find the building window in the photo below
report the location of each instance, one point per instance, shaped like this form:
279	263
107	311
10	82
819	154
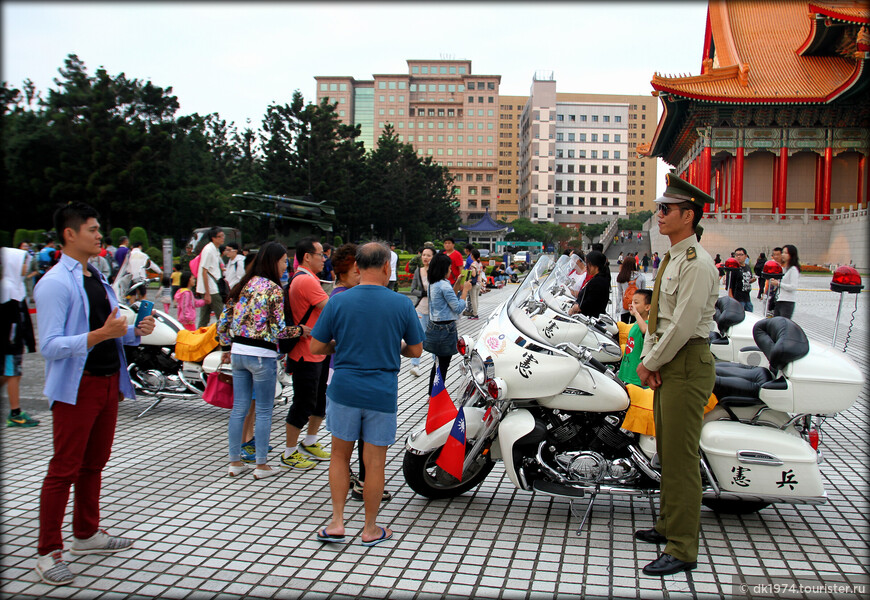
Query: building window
606	119
616	169
424	70
382	85
605	154
582	118
560	117
616	154
324	87
582	137
471	99
594	118
594	137
595	154
615	186
605	138
574	118
618	119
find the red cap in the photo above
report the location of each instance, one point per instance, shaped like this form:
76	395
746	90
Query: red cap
772	267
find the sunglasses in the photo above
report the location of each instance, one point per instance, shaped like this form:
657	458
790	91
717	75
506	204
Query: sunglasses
666	208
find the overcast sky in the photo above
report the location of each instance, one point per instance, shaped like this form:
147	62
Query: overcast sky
236	58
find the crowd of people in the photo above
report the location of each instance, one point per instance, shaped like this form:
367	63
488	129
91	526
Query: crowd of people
343	352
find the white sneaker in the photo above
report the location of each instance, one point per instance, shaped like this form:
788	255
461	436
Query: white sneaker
53	569
100	543
416	371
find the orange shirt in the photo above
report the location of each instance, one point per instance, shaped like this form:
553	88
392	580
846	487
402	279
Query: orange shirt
305	292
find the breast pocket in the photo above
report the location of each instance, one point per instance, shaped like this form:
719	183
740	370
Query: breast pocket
669	286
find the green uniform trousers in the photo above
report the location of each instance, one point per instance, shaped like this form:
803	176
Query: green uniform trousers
678	410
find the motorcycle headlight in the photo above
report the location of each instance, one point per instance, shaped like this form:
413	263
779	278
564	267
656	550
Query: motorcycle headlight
478	369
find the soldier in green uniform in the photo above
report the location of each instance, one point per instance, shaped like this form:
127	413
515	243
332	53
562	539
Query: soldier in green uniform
677	363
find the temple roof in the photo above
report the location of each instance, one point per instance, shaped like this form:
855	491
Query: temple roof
751	53
486	224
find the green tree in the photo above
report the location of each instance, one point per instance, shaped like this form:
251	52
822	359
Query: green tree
593	230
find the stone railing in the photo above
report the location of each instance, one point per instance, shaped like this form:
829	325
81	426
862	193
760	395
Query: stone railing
607	237
749	215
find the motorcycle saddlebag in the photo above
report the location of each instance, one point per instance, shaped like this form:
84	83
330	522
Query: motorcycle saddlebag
761	461
193	346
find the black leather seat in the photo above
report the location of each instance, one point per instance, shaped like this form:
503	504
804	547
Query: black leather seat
728	312
782	341
743	381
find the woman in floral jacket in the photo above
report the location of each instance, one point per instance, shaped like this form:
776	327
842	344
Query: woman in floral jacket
249	329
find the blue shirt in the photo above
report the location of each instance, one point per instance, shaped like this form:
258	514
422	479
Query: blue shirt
368	324
62	312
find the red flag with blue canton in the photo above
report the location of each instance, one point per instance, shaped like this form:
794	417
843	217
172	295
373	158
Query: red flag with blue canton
453	454
441	407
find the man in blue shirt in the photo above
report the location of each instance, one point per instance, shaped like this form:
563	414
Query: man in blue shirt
81	339
364	327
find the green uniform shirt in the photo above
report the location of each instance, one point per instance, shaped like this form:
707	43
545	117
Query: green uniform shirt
633	350
686	302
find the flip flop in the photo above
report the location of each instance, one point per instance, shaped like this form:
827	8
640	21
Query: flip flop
384	537
326	538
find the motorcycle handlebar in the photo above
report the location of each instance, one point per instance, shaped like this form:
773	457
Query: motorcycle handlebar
597	365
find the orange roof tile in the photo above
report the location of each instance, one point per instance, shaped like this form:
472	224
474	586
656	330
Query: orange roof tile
756	62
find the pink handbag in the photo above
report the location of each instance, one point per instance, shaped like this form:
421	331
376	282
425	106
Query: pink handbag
219	390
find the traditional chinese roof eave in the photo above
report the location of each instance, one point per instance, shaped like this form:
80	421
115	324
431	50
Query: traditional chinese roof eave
486	224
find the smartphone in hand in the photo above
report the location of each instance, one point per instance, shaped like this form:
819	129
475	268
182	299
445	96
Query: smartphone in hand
145	308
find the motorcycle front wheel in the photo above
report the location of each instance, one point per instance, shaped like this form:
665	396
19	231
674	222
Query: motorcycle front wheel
429	480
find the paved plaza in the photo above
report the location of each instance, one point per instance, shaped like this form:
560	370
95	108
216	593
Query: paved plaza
200	534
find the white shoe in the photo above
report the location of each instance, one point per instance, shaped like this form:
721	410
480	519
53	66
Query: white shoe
263	473
100	543
416	371
235	471
53	569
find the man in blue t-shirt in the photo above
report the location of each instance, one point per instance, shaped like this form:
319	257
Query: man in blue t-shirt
367	328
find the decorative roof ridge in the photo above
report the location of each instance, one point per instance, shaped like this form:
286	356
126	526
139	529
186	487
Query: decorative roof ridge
721	23
714	74
833	13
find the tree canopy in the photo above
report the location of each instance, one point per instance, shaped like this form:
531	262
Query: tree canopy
117	143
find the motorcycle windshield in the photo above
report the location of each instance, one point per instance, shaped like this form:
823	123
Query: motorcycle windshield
554	291
524	299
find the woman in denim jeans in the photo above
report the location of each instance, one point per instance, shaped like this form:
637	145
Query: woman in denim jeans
249	329
444	307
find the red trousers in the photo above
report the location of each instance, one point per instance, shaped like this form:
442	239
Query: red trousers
83	436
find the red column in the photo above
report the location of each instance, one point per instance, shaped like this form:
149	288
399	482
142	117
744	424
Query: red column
820	176
774	200
826	186
737	201
861	184
783	179
718	187
706	168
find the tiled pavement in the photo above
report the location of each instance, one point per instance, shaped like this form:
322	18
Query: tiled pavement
200	534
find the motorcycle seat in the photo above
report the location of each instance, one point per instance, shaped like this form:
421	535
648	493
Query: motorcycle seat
728	312
741	381
718	339
733	401
782	341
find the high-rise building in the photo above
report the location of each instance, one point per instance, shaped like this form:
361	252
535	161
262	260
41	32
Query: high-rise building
442	109
577	156
487	141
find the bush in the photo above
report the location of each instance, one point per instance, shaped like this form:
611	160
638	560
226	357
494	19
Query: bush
21	235
137	234
156	255
814	269
116	234
337	241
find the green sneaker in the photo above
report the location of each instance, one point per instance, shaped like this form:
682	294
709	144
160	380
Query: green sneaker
296	461
21	420
316	451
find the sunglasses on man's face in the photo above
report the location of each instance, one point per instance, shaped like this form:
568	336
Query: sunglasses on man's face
666	208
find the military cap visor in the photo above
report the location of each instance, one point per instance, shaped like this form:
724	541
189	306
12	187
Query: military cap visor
679	190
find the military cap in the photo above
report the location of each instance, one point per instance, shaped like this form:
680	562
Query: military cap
679	190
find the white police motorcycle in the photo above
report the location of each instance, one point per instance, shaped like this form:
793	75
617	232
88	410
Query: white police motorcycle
552	413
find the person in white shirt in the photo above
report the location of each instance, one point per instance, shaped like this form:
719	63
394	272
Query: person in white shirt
394	261
208	276
235	268
138	263
788	284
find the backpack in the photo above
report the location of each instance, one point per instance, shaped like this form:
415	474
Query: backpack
629	293
285	346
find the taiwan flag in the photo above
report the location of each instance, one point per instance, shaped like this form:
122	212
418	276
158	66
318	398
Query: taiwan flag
441	407
453	453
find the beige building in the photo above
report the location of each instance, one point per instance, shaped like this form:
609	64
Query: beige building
577	159
459	120
442	109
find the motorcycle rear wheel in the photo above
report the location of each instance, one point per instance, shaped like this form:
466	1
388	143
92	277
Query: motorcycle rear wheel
429	480
733	507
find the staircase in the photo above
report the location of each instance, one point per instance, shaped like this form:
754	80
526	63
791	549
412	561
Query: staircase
631	245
